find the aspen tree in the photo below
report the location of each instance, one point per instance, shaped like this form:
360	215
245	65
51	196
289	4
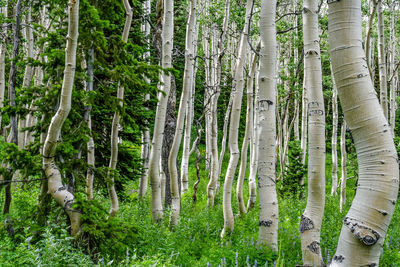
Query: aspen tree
3	50
382	59
392	67
311	219
237	88
159	122
269	216
90	143
368	40
55	186
334	137
115	123
343	153
187	83
254	147
145	151
247	136
365	225
215	161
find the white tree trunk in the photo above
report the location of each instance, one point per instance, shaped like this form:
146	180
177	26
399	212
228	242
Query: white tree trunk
145	150
254	148
247	136
187	86
159	122
115	123
368	44
215	161
56	188
392	66
237	88
269	215
334	137
311	219
382	60
3	50
343	153
90	143
365	225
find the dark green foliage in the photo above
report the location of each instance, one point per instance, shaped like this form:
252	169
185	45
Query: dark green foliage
289	185
102	235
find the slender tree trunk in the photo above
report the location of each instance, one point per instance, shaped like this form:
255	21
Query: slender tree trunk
368	51
115	123
334	137
187	83
269	215
215	162
311	220
382	60
11	97
304	124
145	151
246	138
365	225
392	66
237	88
90	143
58	191
159	123
343	178
254	147
3	50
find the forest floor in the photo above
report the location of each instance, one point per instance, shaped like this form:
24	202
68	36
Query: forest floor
131	239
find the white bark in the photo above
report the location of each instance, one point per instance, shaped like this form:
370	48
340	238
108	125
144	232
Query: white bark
90	143
215	161
3	50
343	153
365	225
159	122
382	59
115	123
237	88
254	148
311	220
56	188
304	111
392	66
145	150
269	215
247	136
187	86
334	137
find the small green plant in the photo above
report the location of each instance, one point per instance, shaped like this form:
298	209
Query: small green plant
289	185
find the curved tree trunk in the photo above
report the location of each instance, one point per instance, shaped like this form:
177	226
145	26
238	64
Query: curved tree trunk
187	84
159	122
237	88
311	220
115	123
269	214
55	186
365	225
247	136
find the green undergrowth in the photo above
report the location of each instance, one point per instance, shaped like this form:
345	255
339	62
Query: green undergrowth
132	239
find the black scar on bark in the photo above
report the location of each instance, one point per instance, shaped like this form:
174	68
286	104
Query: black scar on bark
372	265
338	258
306	224
365	234
68	204
314	247
265	223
